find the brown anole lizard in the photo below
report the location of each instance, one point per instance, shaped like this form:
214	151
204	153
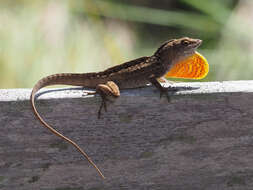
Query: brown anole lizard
132	74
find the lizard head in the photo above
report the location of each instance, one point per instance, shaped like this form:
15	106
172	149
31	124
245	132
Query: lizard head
176	50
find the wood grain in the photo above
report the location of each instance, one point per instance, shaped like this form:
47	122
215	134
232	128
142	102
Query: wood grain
201	140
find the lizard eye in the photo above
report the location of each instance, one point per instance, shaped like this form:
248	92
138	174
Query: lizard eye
185	42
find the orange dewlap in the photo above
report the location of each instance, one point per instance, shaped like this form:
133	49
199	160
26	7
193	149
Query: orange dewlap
193	67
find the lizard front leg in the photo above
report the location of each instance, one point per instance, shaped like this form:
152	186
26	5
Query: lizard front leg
107	91
163	90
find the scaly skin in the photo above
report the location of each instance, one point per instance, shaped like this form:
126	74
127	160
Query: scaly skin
132	74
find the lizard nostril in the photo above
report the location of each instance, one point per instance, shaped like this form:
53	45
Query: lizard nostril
199	41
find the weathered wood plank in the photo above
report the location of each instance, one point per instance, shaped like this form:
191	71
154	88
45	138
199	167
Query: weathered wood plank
201	140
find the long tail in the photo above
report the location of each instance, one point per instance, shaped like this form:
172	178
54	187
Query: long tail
45	82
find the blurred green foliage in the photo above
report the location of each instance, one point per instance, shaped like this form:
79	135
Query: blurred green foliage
42	37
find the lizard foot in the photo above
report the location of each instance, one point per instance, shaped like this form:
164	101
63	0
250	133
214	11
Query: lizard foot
165	91
107	92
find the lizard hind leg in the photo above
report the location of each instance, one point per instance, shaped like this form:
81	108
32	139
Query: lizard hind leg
107	92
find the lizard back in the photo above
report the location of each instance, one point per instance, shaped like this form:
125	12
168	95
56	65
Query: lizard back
126	75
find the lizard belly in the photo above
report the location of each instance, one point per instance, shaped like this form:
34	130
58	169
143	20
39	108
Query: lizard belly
131	83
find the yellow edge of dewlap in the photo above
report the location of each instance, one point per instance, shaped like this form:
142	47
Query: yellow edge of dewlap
193	67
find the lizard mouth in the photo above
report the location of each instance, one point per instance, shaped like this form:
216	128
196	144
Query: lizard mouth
197	43
193	47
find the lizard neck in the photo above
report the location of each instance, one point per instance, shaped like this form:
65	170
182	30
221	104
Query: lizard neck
166	63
